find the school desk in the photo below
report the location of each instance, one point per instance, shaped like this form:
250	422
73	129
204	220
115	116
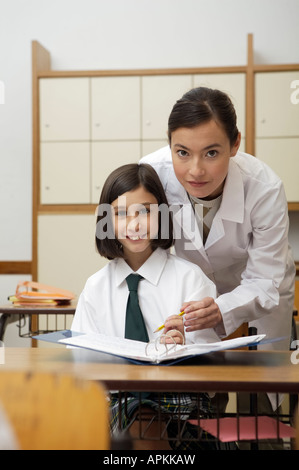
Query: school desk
224	371
9	311
248	371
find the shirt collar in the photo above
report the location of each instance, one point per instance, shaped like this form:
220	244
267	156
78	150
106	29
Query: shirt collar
206	203
151	270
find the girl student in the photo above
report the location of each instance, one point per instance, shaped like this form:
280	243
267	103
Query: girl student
240	212
133	193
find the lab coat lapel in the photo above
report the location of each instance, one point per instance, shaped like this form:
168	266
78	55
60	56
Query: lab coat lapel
186	227
232	205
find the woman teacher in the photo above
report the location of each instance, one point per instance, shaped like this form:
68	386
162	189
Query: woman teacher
232	222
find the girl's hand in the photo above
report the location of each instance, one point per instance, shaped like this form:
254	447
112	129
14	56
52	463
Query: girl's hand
174	327
202	314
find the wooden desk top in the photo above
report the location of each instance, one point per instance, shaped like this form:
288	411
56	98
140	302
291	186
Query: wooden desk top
11	309
222	371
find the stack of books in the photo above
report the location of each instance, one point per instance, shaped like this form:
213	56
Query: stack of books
34	294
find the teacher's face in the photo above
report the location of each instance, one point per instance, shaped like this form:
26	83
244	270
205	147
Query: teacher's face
200	158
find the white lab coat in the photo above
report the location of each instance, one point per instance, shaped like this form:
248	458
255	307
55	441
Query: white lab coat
247	253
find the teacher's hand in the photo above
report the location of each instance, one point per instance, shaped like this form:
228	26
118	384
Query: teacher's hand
174	328
202	314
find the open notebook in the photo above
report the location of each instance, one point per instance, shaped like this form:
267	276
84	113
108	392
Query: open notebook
153	352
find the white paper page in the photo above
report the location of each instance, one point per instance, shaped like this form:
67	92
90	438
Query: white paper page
112	345
227	344
154	351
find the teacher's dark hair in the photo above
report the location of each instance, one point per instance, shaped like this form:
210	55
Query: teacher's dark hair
201	105
128	178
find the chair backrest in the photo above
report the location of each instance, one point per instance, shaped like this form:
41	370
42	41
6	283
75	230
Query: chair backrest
55	412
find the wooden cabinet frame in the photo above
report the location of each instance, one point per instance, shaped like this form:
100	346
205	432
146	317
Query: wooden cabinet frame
41	68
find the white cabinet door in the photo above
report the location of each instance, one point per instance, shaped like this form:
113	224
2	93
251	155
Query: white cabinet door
159	94
106	157
64	109
66	250
233	84
115	108
282	155
149	146
276	114
65	173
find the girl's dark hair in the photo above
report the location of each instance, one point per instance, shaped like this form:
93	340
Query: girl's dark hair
128	178
201	105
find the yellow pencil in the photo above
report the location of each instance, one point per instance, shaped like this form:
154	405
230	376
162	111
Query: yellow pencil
162	326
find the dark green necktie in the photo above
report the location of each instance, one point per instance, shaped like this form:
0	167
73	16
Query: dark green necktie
135	327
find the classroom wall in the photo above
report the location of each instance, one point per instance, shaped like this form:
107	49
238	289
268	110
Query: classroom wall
117	34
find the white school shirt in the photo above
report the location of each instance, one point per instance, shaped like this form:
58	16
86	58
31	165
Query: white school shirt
247	253
168	282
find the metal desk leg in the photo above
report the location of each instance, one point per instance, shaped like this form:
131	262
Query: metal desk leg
3	323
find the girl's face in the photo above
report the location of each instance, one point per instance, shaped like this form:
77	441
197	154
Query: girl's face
201	157
136	223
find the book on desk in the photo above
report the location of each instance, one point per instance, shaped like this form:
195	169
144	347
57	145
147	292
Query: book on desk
154	352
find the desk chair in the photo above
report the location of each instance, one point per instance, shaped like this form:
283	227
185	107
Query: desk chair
55	412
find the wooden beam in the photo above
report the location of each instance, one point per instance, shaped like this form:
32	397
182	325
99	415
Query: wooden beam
56	209
15	267
250	98
293	206
143	72
276	67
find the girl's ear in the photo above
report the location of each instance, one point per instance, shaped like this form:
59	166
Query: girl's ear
236	145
